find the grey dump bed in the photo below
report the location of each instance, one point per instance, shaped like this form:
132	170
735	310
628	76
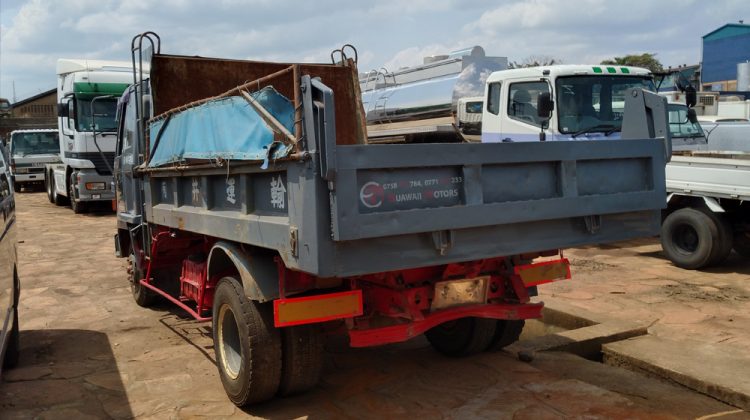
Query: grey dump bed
340	207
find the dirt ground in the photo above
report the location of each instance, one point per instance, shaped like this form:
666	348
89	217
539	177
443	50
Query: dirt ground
89	352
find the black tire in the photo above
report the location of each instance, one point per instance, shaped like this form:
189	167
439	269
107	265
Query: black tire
741	243
58	199
302	358
77	206
141	294
16	186
13	351
462	337
246	344
507	333
688	237
723	244
48	187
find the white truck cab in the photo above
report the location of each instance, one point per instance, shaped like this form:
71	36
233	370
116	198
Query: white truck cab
587	102
87	93
30	151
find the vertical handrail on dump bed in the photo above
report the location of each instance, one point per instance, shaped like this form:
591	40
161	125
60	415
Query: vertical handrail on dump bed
136	48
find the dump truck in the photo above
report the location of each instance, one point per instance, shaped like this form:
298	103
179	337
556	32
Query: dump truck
250	196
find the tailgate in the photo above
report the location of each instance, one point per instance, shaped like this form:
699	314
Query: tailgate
388	190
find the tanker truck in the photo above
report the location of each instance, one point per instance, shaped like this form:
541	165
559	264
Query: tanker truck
249	196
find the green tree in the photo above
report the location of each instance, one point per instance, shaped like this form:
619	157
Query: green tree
534	61
645	60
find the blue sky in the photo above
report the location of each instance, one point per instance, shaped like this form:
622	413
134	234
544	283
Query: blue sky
390	33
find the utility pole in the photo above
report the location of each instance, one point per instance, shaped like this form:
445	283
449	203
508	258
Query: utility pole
14	91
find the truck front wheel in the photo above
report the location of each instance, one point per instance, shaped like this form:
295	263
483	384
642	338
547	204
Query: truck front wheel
688	237
76	206
462	337
246	344
142	296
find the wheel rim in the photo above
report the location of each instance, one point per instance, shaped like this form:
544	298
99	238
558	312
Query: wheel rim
229	342
686	239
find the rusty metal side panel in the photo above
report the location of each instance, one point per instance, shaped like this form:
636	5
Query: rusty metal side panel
177	80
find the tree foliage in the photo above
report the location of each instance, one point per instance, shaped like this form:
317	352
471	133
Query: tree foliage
645	60
534	61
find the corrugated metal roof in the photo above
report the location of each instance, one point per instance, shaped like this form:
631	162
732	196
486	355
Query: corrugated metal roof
727	31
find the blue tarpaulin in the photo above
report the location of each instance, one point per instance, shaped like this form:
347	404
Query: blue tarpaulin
227	128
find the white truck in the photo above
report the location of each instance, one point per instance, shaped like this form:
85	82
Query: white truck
708	186
30	151
707	208
588	102
87	93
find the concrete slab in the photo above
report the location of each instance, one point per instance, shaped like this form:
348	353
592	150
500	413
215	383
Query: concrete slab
707	368
586	342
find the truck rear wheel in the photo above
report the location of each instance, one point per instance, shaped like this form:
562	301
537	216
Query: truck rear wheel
507	333
302	358
723	244
741	243
688	237
462	337
48	186
141	294
58	199
246	344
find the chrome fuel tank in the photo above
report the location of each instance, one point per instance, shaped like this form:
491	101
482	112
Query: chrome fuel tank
429	90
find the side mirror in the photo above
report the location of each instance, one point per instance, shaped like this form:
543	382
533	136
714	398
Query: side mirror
692	116
544	105
691	97
62	109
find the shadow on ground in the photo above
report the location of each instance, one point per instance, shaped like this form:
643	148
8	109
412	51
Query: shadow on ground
64	373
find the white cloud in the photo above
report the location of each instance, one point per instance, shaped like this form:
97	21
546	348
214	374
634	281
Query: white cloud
390	33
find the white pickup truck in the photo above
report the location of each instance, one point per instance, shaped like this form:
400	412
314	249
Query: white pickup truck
708	186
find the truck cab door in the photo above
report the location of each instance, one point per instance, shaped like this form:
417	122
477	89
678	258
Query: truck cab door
127	187
521	120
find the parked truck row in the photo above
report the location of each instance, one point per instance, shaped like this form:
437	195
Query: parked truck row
248	194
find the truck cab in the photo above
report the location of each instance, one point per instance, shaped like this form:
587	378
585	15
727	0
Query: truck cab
587	102
87	92
30	151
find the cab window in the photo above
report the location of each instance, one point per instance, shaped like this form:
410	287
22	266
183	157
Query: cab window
523	96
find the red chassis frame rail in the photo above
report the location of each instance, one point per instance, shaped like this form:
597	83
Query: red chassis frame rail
403	332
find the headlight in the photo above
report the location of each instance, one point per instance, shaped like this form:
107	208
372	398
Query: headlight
94	186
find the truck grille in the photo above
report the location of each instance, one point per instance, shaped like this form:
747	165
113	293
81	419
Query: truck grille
96	158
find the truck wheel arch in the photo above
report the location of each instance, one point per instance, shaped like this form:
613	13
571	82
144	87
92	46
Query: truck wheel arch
677	201
256	268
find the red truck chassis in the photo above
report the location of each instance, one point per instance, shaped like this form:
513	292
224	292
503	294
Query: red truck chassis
378	308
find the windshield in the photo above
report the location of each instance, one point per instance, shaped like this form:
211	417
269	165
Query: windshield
474	107
679	123
587	102
105	111
23	144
